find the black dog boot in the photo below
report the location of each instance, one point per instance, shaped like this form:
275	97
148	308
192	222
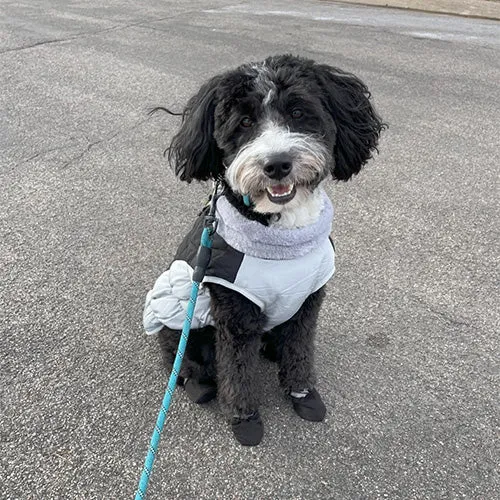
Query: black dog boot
199	392
308	405
249	430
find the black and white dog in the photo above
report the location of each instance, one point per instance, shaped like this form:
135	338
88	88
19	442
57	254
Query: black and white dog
272	131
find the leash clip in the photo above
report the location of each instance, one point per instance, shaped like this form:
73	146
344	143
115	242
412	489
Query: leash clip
211	222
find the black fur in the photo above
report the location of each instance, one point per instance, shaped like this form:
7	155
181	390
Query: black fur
293	344
193	151
239	324
358	126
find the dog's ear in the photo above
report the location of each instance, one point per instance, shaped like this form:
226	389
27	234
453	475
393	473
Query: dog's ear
347	99
193	152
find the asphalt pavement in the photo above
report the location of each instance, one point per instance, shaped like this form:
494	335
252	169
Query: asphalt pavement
90	214
485	9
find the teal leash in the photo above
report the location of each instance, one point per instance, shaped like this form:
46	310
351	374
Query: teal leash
202	261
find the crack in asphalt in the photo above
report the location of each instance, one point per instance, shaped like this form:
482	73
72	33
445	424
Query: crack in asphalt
441	314
58	40
105	139
88	147
84	34
44	152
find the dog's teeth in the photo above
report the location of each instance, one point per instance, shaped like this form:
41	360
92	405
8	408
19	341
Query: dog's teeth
279	194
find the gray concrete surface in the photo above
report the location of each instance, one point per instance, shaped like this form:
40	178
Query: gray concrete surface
90	214
486	9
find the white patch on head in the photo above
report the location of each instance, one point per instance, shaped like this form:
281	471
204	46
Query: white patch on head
264	83
263	80
269	97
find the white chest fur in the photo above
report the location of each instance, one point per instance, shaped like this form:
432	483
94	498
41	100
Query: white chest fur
304	210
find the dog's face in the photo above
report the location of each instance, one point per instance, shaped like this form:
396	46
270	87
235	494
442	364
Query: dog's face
275	136
275	130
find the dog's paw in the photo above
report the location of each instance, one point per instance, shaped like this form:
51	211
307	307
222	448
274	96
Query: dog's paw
248	431
310	407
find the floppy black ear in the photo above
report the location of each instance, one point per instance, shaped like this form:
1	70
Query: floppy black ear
347	99
193	152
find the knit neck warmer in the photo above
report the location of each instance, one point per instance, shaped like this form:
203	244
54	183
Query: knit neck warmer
271	242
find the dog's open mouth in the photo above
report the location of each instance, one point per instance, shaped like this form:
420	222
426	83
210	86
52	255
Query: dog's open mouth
281	193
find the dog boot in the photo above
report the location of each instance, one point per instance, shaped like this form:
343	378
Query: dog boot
248	431
198	392
308	405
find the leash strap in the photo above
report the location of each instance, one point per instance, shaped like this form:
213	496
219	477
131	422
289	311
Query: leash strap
202	260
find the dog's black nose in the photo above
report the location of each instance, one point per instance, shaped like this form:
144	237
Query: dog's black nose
278	169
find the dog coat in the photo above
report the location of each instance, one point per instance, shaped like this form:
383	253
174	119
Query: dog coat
273	267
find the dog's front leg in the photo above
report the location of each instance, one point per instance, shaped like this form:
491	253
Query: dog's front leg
295	345
239	323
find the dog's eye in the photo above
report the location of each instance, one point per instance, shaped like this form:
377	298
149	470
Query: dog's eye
297	113
246	122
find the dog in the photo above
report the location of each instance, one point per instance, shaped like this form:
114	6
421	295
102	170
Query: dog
272	132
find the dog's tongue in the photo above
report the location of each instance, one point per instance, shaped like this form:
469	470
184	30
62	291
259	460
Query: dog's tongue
280	189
